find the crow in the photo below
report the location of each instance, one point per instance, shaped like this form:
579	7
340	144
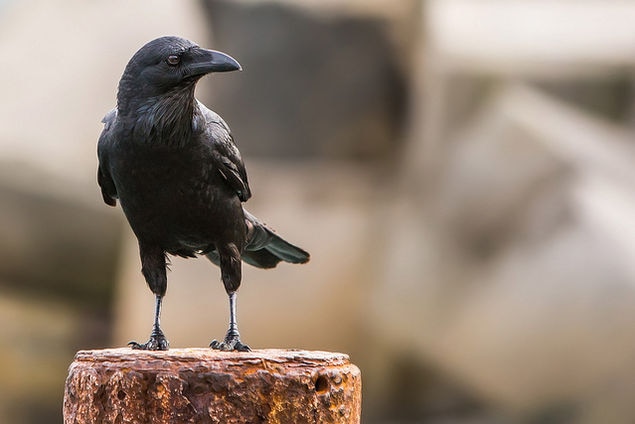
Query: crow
174	167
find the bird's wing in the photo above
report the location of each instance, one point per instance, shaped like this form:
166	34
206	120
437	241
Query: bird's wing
108	189
225	155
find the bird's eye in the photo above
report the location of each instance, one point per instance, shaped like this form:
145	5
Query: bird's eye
173	60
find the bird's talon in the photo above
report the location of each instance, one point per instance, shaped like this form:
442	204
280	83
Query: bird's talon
242	347
156	342
230	344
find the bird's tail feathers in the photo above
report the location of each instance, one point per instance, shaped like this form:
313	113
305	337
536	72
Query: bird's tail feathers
264	248
263	239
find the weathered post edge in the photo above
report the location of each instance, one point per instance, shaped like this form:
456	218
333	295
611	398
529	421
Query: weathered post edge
207	386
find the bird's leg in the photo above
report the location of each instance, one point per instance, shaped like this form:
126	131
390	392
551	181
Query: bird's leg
153	269
231	273
157	338
232	338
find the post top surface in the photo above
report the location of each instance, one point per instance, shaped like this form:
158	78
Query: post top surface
290	357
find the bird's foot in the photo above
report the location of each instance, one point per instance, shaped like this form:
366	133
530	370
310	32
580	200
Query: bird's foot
157	342
232	342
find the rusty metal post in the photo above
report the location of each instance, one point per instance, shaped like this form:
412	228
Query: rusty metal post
206	386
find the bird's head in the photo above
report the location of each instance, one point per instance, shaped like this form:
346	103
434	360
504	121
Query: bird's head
170	64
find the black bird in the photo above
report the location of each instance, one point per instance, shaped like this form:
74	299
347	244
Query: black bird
173	165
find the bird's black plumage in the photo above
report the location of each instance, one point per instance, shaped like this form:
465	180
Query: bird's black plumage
174	167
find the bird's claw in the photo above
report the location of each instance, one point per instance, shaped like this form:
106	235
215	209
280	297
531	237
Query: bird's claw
229	346
157	342
232	342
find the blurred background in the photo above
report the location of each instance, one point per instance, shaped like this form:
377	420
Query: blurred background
461	172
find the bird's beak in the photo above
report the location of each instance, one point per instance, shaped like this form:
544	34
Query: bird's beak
206	61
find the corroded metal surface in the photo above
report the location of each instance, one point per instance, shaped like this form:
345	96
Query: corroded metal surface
206	386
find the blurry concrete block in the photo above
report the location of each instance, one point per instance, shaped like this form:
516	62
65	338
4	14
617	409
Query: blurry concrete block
548	43
522	143
312	85
55	99
588	143
608	95
58	259
372	8
38	339
54	239
522	37
544	318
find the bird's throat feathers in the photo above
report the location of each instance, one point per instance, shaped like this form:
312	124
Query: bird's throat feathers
169	119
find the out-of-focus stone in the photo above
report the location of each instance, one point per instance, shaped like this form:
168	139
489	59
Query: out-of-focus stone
53	240
53	118
520	258
37	339
206	386
312	85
